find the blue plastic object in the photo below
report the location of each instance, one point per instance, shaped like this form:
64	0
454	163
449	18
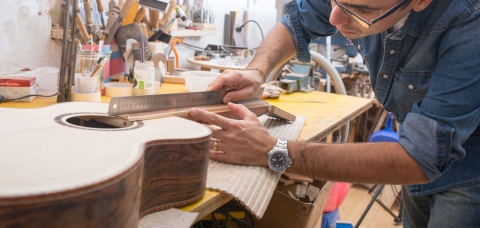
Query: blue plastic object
386	135
329	220
341	224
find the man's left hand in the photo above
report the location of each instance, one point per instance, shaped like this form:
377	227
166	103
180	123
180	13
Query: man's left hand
244	142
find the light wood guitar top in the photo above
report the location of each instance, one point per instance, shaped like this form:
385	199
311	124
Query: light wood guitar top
39	155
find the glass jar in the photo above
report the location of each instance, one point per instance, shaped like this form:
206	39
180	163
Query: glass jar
86	63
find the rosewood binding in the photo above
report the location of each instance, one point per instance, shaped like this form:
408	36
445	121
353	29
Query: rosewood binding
51	178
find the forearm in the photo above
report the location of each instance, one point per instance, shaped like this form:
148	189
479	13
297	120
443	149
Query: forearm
277	48
386	163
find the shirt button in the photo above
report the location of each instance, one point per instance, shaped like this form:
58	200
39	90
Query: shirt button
411	86
444	148
385	76
392	52
358	46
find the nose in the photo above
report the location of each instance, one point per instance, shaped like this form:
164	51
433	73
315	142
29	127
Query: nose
338	17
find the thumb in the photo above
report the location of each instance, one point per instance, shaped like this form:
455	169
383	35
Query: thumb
242	111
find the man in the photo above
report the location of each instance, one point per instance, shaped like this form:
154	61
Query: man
424	61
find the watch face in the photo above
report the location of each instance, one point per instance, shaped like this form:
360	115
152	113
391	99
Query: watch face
278	161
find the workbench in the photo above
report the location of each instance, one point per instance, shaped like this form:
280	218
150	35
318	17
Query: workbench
220	64
324	112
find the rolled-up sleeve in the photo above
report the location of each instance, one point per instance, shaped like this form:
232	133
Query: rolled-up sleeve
307	20
434	132
429	142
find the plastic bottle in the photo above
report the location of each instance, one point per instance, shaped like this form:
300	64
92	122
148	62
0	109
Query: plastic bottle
144	74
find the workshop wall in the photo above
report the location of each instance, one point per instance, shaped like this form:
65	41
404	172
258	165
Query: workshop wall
262	11
25	36
25	25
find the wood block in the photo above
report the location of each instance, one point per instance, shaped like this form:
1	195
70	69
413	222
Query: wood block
292	195
171	65
298	190
283	182
312	192
198	58
296	177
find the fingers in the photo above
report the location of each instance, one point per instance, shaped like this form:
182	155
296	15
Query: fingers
242	111
222	122
238	95
222	157
243	81
217	153
226	78
210	118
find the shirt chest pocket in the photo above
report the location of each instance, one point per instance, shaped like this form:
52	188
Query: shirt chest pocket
410	87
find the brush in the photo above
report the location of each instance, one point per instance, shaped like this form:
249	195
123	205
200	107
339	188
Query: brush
100	43
100	66
160	5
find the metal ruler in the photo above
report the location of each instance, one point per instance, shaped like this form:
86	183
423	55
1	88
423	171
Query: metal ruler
150	103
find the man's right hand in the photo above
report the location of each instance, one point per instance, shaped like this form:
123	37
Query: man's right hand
246	83
277	48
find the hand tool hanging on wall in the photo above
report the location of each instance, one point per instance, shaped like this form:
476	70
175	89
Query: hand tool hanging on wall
160	5
112	17
138	19
82	28
131	14
154	15
111	4
92	28
118	21
165	18
120	3
101	10
133	31
88	15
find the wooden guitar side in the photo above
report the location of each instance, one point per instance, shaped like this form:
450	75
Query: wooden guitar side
168	169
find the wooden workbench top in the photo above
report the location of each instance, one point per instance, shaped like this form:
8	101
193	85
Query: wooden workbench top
324	114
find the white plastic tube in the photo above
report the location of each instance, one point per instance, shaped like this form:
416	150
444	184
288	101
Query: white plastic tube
337	84
335	77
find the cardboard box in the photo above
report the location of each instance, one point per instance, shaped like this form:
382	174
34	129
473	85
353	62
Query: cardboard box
285	212
12	87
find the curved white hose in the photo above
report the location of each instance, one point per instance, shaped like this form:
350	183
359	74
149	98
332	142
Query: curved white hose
335	77
337	84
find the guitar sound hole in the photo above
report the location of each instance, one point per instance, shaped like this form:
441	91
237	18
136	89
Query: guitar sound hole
100	122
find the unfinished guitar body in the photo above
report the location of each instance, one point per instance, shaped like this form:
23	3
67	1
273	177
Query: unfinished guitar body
66	166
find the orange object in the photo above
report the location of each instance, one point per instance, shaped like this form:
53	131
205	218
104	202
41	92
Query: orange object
175	41
131	14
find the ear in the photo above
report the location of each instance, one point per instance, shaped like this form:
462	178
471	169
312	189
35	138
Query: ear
419	5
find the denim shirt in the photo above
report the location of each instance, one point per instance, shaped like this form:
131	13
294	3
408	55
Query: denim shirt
428	74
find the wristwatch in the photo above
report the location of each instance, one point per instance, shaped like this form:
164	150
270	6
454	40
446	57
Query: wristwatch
278	159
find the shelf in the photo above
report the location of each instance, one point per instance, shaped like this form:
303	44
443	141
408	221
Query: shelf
203	30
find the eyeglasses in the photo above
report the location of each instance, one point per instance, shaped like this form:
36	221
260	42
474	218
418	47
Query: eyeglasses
364	22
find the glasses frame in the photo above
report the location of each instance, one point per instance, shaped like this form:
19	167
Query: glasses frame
366	23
